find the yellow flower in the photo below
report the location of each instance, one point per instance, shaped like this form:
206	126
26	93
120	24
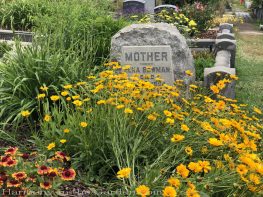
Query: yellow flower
76	97
254	178
51	146
143	191
47	118
189	73
25	113
170	121
54	98
64	93
123	173
66	130
43	88
188	150
182	171
83	124
120	106
169	192
184	127
191	192
242	169
174	182
152	117
215	89
128	111
195	167
69	86
192	23
234	77
257	110
167	113
100	102
215	142
205	165
40	96
62	141
177	138
78	103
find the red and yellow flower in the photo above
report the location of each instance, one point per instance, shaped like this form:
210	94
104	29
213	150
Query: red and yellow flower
46	185
68	174
19	176
42	170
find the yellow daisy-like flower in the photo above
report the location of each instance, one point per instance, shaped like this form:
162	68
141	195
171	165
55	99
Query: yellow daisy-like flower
167	113
128	111
66	130
25	113
188	150
189	72
62	141
182	171
54	98
78	103
41	96
177	138
64	93
184	127
257	110
215	142
43	88
152	117
69	86
47	118
142	191
123	173
169	192
120	106
100	102
83	124
215	89
174	182
51	146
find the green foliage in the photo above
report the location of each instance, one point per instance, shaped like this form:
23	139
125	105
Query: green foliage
68	45
202	14
4	48
203	60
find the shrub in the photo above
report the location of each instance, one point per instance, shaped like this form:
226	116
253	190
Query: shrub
70	43
202	60
115	127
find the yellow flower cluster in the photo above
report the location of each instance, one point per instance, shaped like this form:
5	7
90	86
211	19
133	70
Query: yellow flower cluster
226	19
209	134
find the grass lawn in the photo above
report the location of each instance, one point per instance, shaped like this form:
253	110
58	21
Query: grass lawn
249	64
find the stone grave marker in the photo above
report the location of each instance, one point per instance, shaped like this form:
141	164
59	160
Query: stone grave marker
133	7
169	8
149	6
157	46
149	61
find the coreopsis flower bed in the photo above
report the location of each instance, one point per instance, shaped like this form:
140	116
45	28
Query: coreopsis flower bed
32	174
131	137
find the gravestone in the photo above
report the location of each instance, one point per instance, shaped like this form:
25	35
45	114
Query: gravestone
149	6
168	8
133	7
159	45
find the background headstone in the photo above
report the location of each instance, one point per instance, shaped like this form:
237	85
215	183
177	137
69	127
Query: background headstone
156	35
149	6
133	7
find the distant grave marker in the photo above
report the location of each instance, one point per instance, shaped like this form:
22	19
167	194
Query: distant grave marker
133	7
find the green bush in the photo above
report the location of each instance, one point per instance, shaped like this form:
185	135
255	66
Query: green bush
69	44
203	60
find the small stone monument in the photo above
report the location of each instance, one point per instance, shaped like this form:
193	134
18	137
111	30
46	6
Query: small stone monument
149	6
159	45
133	7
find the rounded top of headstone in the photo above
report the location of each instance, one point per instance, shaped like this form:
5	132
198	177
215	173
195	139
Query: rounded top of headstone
141	1
156	34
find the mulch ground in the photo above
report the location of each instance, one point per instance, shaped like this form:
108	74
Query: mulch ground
209	34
